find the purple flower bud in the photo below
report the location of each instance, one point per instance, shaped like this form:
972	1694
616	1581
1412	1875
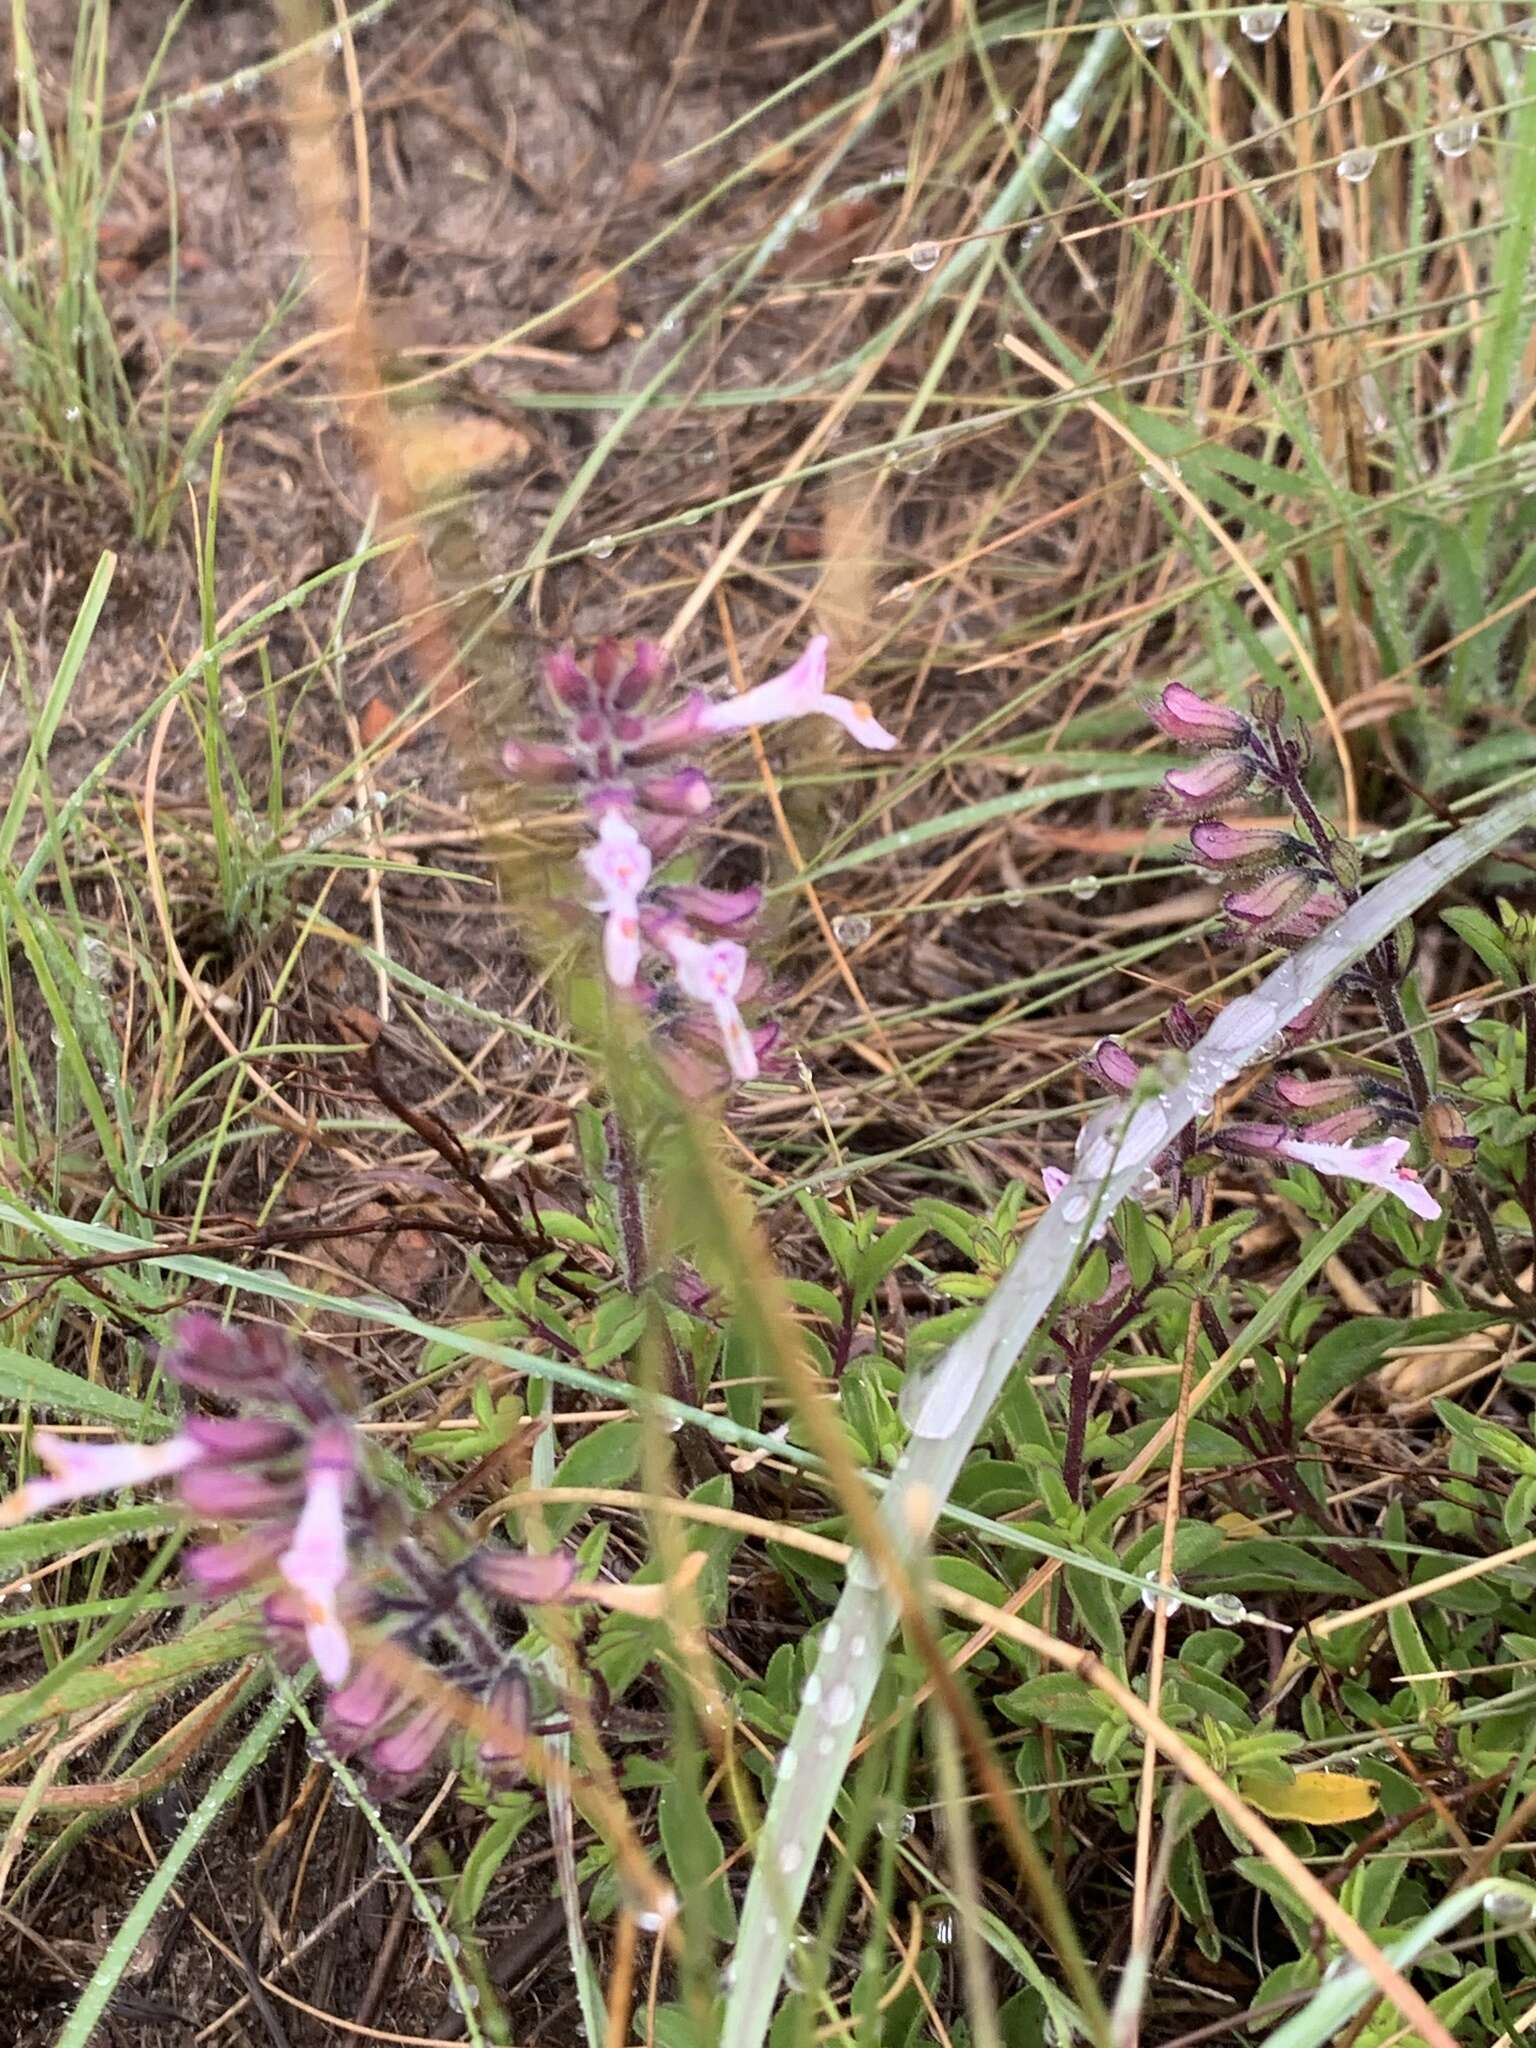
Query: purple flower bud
1218	845
1345	1125
358	1709
529	1578
240	1363
1286	905
1184	1028
232	1493
645	670
539	761
569	684
1310	917
222	1568
1307	1099
243	1439
1259	1139
404	1754
669	731
1307	1023
1112	1066
727	910
1194	721
687	792
1209	784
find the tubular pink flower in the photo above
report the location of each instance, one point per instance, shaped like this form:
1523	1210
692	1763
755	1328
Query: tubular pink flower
712	975
77	1470
407	1751
1208	784
232	1493
527	1577
357	1708
687	792
1112	1066
1268	904
315	1562
619	866
1379	1166
1313	1098
1055	1180
242	1438
1192	720
539	761
501	1752
1218	845
243	1561
799	691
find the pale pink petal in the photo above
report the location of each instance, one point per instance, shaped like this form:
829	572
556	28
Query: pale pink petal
1055	1180
619	866
799	691
77	1469
712	975
315	1562
1379	1166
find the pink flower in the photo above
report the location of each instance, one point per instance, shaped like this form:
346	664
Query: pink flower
528	1578
619	866
406	1752
1194	722
1055	1180
712	975
1208	784
800	690
1220	846
1379	1166
1112	1066
79	1469
315	1562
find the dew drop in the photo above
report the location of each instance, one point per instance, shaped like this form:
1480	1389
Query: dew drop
1151	1599
1218	58
944	1930
27	146
1084	887
858	1649
852	930
899	1827
923	256
147	123
1356	165
1138	189
151	1156
246	82
71	413
1370	24
1457	136
810	1692
901	37
791	1856
233	706
1259	24
651	1919
601	548
825	1744
832	1635
1074	1208
1227	1609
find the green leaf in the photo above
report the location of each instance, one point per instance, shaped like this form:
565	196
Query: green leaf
34	1381
1477	930
695	1855
609	1456
1341	1358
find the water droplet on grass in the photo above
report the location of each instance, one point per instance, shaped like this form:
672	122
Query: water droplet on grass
27	146
1138	189
146	124
1457	136
1370	24
1356	165
1074	1208
901	37
924	256
601	548
1227	1609
1259	24
944	1930
852	930
1151	1600
1084	887
791	1856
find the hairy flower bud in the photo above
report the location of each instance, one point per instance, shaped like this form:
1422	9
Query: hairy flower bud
1111	1066
1194	721
1205	787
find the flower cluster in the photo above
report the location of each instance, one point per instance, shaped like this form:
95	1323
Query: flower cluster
301	1520
674	947
1293	885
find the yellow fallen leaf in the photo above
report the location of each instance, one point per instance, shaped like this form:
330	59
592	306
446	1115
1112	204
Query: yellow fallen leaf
1325	1798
